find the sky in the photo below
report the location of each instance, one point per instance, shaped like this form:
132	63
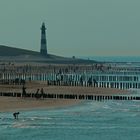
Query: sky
74	27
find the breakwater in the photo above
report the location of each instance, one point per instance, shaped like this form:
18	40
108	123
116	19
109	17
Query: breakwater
107	80
97	75
70	96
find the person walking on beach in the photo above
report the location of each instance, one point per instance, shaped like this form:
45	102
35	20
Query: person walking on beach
42	93
23	91
15	114
36	94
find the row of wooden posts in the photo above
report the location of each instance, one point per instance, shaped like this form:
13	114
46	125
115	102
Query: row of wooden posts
70	96
104	84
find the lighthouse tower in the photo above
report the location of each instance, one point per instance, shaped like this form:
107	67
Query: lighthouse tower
43	48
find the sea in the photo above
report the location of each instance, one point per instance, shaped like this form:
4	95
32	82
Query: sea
89	120
127	59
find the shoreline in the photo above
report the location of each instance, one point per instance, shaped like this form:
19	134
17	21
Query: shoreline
10	104
16	104
32	88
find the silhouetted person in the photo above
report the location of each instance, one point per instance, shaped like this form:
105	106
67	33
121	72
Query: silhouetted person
37	95
16	115
81	81
23	91
42	92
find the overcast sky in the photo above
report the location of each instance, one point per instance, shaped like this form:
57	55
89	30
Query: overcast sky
74	27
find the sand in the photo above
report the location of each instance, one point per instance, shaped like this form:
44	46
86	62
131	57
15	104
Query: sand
14	104
32	88
18	103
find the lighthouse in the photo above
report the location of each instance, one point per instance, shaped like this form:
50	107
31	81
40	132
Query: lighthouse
43	48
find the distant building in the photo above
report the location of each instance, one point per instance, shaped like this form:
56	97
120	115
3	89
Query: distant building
43	48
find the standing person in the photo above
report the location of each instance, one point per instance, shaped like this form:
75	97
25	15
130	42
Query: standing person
36	94
23	91
42	93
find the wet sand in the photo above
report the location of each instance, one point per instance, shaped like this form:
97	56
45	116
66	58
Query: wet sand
18	103
32	88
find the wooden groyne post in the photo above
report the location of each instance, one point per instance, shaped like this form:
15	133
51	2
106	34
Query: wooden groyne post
72	96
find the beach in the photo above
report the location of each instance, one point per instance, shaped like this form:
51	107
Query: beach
19	103
32	87
14	104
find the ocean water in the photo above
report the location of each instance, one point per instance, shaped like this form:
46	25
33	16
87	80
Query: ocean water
132	59
90	120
